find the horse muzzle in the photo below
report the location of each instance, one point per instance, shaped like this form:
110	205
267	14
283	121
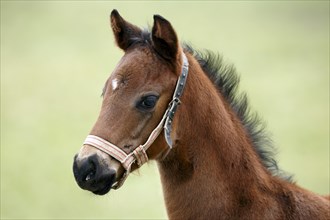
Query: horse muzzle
96	171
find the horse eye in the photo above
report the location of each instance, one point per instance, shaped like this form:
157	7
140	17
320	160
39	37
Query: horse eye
147	102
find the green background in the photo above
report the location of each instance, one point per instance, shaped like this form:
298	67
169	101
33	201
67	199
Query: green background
56	56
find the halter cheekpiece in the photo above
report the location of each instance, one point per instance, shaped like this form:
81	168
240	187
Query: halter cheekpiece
139	155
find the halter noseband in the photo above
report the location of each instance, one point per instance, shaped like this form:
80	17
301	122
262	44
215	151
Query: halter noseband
139	154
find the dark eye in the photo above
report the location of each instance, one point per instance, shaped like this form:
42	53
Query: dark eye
147	102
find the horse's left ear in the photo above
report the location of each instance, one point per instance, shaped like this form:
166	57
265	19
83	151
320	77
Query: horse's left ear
164	38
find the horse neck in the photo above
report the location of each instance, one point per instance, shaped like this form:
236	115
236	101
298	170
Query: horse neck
213	161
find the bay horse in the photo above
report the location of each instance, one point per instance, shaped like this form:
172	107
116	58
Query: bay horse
168	102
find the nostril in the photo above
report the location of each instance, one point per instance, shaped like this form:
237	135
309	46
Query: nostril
90	176
91	171
86	171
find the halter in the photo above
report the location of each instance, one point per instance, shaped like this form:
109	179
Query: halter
139	154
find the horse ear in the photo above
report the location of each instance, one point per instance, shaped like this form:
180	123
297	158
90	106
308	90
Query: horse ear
164	38
124	32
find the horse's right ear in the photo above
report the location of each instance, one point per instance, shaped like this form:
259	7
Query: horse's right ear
124	32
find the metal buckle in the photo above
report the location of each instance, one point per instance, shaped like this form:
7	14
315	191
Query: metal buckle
176	100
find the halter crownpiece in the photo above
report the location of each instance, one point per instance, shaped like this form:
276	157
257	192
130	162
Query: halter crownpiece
139	155
176	100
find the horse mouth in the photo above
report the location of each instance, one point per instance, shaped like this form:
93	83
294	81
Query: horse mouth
104	184
104	190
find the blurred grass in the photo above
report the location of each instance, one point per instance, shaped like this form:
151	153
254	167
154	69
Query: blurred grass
56	56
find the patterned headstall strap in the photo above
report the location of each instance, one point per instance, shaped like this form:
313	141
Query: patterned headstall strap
140	153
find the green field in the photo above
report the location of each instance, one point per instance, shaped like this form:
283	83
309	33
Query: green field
56	56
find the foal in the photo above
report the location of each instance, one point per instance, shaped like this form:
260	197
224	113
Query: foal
210	156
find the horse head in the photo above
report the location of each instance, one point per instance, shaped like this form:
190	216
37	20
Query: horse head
136	106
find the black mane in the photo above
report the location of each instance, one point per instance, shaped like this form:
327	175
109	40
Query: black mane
226	79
